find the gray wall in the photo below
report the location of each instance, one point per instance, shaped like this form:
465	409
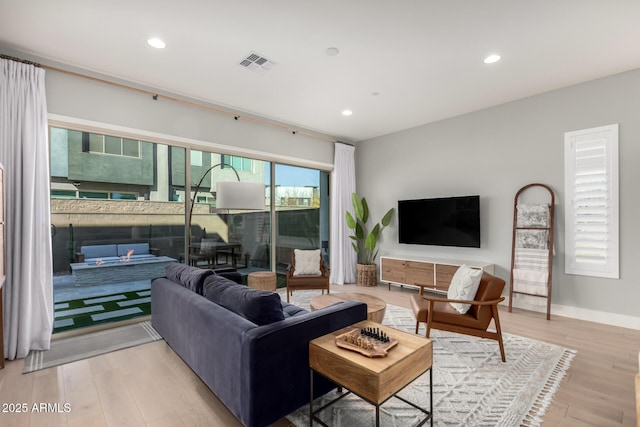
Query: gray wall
81	98
496	151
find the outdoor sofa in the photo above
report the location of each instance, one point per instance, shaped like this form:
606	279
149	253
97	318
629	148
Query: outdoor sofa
114	252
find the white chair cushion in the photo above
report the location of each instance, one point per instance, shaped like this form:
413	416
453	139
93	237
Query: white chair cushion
464	285
307	262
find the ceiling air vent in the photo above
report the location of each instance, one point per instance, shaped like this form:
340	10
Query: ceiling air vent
256	62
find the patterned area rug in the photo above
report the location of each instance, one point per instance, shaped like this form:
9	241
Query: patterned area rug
472	386
80	347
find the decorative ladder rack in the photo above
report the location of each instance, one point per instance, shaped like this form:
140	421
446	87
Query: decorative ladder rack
532	247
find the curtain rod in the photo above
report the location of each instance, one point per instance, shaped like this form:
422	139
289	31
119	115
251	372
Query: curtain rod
156	96
24	61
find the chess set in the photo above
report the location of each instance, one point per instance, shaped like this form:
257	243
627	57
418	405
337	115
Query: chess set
370	342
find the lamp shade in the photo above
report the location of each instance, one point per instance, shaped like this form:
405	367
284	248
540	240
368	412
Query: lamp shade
239	195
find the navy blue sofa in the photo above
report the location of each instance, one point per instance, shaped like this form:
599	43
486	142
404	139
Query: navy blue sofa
258	368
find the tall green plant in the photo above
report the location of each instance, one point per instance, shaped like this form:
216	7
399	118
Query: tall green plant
364	243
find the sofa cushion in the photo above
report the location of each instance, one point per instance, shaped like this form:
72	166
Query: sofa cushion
174	270
258	306
99	251
137	248
230	273
214	285
190	277
291	310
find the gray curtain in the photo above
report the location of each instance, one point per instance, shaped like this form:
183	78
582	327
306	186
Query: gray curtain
24	151
343	257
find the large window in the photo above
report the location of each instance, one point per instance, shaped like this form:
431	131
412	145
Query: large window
75	194
591	203
106	144
239	163
109	191
116	224
302	210
220	237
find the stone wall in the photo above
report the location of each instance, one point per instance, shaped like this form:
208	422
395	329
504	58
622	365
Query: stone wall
161	224
88	212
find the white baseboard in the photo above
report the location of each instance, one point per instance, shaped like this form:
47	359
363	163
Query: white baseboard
604	317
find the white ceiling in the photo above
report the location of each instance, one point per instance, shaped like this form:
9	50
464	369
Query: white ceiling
423	58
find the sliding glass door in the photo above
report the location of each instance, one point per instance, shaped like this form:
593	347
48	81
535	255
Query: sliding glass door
119	209
301	202
117	220
239	239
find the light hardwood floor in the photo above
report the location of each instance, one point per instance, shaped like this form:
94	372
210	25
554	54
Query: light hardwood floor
149	385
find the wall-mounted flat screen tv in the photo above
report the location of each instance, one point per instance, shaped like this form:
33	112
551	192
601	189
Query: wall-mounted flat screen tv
445	221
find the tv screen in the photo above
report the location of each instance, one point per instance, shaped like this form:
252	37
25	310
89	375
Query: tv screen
447	221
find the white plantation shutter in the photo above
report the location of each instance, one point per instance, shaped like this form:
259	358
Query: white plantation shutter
591	191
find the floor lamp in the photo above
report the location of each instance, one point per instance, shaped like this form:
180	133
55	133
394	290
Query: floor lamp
229	195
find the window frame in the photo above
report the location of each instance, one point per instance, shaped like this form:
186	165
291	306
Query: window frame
605	139
87	147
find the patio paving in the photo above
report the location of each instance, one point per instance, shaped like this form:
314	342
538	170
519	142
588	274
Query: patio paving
64	288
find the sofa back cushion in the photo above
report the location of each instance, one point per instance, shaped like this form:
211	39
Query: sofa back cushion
190	277
214	286
258	306
138	249
291	310
230	273
99	251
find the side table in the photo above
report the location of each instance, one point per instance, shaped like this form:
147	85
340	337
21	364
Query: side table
375	380
265	280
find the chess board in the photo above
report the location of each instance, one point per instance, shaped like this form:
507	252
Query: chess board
367	346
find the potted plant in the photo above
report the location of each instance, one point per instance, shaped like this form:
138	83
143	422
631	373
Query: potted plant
365	242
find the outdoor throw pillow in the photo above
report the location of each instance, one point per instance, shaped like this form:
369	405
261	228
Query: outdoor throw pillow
307	262
464	286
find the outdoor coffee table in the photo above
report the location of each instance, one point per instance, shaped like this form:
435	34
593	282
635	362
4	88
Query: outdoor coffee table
375	306
375	380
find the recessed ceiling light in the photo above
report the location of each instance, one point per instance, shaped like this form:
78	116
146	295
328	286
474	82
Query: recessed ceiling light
491	59
332	51
157	43
347	112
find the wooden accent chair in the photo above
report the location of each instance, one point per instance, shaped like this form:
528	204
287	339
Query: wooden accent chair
438	313
304	277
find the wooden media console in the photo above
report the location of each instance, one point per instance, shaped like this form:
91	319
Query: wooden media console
425	273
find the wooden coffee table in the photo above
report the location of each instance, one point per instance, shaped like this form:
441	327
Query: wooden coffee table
375	306
375	380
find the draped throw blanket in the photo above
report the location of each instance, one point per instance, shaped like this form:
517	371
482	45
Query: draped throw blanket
531	257
533	215
531	271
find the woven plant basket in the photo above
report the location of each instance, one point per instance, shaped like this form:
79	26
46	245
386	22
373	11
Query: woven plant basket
366	275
